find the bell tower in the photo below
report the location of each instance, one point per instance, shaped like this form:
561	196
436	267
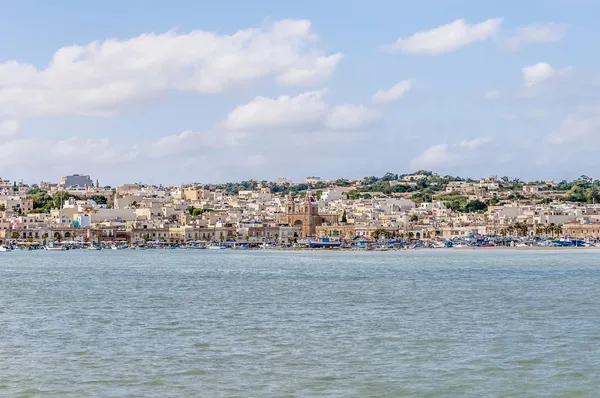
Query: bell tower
291	207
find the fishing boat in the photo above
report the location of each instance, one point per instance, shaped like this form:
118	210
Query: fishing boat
5	248
324	243
215	246
54	247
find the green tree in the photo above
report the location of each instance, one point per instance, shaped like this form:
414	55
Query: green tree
15	235
45	237
344	217
99	199
475	206
379	233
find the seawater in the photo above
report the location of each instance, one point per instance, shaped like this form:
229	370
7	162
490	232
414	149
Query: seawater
179	323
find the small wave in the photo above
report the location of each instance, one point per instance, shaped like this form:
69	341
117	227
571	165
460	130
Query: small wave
532	361
191	372
329	378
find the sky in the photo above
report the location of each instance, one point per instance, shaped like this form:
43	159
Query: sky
205	91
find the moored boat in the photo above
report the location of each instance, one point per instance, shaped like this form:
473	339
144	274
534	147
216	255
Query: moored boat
55	247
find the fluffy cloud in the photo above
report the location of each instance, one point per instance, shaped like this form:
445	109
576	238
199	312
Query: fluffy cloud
307	111
100	77
314	71
444	155
536	33
434	157
9	128
446	38
534	75
303	109
193	143
393	94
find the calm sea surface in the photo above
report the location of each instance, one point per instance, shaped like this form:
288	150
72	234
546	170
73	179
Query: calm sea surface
260	324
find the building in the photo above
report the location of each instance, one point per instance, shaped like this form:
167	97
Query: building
582	230
76	180
306	216
531	189
312	180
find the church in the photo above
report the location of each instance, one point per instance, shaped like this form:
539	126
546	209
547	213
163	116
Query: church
306	215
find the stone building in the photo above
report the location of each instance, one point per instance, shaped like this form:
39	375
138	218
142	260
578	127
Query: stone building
306	216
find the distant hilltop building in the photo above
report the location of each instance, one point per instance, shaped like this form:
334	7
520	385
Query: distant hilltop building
76	180
312	180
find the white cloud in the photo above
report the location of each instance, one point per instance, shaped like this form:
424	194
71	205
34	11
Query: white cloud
9	128
491	94
350	117
100	77
536	33
393	94
193	143
434	157
444	155
316	71
307	111
307	108
446	38
534	75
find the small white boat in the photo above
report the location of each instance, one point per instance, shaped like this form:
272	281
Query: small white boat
5	249
54	247
215	247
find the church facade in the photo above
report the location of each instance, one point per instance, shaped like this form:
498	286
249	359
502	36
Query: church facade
305	215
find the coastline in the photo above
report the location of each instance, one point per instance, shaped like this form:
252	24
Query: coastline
470	248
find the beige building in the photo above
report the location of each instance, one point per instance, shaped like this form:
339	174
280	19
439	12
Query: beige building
582	231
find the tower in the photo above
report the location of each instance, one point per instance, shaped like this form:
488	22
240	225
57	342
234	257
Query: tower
291	207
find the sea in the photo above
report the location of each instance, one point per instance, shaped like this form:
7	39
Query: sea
208	323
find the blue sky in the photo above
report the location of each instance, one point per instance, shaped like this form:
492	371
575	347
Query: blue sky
217	91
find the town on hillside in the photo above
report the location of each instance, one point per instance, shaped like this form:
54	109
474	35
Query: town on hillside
421	208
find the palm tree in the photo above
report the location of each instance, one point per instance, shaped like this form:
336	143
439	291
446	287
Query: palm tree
558	230
15	235
45	237
57	236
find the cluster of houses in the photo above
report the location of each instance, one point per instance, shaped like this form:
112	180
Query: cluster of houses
135	213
